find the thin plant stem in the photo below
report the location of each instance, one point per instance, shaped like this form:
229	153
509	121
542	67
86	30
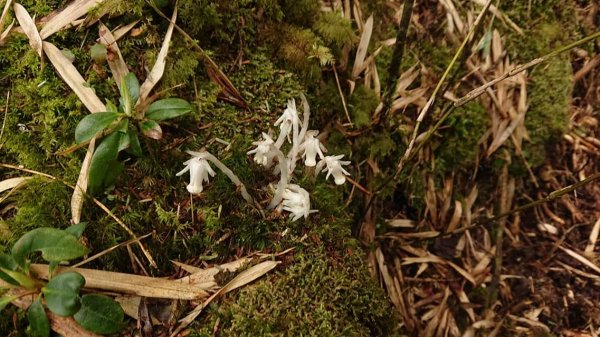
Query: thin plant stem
229	173
283	180
396	63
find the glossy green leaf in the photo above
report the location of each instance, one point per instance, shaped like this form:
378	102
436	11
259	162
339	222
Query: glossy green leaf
98	53
151	129
134	143
130	91
55	245
103	160
7	262
168	108
21	279
38	320
100	314
5	300
62	293
92	124
124	141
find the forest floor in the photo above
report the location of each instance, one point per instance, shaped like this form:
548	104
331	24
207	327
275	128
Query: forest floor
487	226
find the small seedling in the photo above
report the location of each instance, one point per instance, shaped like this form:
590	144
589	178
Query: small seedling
120	127
61	293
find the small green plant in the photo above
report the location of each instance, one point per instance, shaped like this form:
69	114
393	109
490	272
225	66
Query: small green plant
61	293
120	127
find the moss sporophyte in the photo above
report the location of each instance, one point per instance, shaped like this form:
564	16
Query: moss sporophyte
288	197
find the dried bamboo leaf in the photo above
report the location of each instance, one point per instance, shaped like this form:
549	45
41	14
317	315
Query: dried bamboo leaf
363	46
3	16
240	280
12	183
130	284
500	139
72	12
400	223
581	259
121	31
29	28
455	217
81	186
116	63
159	66
72	77
589	249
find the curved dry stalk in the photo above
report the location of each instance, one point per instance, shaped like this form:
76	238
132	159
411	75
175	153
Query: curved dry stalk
229	173
96	201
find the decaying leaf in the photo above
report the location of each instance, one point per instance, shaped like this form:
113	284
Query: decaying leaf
29	28
72	12
363	46
115	59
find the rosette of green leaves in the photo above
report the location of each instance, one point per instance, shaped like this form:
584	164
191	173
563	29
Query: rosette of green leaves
61	294
120	127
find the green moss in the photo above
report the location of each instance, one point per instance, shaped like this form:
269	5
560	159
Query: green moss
319	294
361	105
458	145
334	29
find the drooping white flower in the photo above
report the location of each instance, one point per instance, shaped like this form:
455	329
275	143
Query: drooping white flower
287	121
264	152
334	167
296	200
311	148
199	171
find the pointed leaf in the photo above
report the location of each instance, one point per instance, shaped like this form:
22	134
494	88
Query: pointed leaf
38	321
92	124
28	25
5	300
100	314
151	129
103	160
168	108
62	293
134	143
20	278
133	86
55	245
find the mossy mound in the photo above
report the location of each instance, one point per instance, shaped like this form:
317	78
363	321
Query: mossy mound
317	294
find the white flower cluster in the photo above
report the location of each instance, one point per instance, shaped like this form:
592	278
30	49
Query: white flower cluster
304	143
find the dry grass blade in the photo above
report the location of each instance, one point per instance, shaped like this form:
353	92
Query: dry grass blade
12	183
72	77
159	66
3	16
72	12
115	61
81	186
589	249
121	31
29	28
240	280
581	259
363	46
130	284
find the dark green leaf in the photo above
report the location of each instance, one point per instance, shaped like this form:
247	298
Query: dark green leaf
90	125
124	141
38	321
62	293
55	245
5	300
98	53
100	314
7	262
22	279
151	129
130	91
168	108
104	159
134	143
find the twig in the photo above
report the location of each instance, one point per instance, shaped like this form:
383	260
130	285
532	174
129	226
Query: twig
108	250
337	81
4	120
96	201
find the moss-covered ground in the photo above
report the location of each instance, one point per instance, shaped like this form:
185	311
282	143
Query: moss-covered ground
272	51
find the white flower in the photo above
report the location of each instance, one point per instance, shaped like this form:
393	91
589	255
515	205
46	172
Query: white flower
311	147
296	200
264	152
199	172
288	119
334	167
